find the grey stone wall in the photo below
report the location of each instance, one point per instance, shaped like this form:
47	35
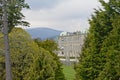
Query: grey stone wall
70	45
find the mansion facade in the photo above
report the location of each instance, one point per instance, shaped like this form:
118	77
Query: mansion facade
70	45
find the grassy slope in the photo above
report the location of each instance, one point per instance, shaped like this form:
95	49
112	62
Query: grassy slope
69	72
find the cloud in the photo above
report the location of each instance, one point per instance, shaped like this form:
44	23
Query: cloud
68	15
42	4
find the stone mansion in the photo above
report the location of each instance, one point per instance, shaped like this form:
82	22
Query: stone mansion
70	45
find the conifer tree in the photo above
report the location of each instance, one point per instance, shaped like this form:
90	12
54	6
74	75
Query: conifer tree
14	14
111	50
10	16
94	57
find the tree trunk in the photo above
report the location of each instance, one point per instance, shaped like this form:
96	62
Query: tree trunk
6	43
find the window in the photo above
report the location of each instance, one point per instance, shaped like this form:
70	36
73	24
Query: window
62	52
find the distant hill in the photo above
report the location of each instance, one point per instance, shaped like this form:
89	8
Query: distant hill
43	33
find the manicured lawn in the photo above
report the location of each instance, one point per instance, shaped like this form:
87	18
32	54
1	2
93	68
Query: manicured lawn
69	72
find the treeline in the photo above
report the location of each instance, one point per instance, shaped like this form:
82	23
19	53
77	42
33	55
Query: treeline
100	57
31	59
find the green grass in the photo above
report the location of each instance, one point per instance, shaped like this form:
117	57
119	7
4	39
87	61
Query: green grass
65	57
69	72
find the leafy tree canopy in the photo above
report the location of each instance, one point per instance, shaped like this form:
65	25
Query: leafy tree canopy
29	62
52	46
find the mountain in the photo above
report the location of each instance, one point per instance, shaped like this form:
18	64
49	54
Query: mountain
43	33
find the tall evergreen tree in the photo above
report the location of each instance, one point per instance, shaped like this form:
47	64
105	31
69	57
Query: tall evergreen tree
10	16
111	50
93	58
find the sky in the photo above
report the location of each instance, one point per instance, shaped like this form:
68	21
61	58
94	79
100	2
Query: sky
65	15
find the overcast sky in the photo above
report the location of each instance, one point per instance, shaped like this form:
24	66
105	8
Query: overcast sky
66	15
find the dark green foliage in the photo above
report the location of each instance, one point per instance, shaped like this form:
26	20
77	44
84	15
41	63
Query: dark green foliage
91	57
43	67
51	46
111	46
99	57
14	8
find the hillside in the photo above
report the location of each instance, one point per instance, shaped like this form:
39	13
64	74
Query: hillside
43	33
